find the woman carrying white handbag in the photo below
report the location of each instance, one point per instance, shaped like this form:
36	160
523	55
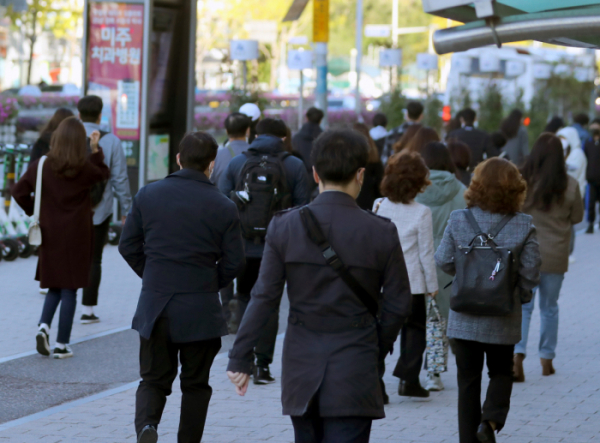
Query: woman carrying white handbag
62	226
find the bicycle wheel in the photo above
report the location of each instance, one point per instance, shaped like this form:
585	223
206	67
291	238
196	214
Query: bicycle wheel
25	249
9	248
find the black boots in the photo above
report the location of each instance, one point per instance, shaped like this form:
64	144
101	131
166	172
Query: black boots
412	389
485	433
590	229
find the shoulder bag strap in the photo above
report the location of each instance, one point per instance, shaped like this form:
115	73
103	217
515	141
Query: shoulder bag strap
38	190
230	149
501	224
378	205
316	235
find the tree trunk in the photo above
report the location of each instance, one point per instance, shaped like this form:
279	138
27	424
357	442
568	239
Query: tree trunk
32	39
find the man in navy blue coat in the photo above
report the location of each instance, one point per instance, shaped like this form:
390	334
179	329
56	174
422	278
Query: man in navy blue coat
271	133
183	238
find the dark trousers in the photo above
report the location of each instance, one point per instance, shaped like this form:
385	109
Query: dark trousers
413	342
90	294
68	301
158	369
265	347
469	360
226	296
593	198
310	428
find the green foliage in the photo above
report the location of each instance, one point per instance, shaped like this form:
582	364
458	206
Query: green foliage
491	109
433	111
539	114
239	98
392	105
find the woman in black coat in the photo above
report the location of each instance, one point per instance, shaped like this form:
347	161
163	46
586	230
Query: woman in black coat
42	144
373	172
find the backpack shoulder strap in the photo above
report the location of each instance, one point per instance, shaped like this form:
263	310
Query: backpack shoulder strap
473	222
501	224
315	233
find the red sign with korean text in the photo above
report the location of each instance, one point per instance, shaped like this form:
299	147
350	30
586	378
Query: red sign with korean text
114	65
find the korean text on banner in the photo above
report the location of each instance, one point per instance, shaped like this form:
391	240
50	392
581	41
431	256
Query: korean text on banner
320	21
114	67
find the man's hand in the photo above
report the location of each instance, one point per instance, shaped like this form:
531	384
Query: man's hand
94	139
123	219
240	380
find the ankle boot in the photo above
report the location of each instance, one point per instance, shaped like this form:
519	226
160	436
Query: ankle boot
518	371
547	368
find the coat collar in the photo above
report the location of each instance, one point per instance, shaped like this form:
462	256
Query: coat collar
334	198
191	174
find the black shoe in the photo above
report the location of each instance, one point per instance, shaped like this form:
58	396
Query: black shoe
262	376
148	435
412	389
87	319
485	433
62	353
386	398
42	343
590	229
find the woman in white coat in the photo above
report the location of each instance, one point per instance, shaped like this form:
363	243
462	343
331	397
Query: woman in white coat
406	175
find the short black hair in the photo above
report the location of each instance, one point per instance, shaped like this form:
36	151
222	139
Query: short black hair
197	150
314	115
237	124
582	118
380	119
272	126
437	157
337	154
469	116
414	110
90	108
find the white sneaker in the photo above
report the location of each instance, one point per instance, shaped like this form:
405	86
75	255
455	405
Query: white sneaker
43	291
62	353
434	383
571	259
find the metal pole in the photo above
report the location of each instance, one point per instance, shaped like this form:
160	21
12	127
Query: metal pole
359	31
321	90
301	100
245	74
395	12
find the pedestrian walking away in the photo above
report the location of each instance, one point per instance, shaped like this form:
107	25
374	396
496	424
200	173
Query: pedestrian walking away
493	220
461	157
183	238
373	172
592	153
303	141
477	140
261	181
67	176
41	146
555	203
412	116
580	122
406	177
517	139
337	259
90	112
379	131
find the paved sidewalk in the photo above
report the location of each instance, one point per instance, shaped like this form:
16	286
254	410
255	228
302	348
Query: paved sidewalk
561	408
22	302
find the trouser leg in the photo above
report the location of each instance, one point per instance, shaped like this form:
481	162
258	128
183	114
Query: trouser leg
592	197
158	369
196	361
469	362
550	285
526	310
413	342
346	429
308	428
245	283
226	296
499	360
68	302
51	303
90	294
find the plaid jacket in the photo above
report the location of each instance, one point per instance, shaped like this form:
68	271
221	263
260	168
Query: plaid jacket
518	233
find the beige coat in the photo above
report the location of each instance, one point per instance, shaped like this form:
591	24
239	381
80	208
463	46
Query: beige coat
554	228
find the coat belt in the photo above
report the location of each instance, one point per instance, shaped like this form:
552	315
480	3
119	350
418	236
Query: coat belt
330	324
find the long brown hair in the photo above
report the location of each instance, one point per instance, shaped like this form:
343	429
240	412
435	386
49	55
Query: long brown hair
68	148
424	136
373	151
57	118
406	138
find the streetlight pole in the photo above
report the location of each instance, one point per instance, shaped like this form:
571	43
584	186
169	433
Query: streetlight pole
359	31
320	39
394	72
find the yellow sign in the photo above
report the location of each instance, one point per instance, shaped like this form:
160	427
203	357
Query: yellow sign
320	21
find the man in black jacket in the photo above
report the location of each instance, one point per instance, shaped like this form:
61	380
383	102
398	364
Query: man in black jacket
271	133
330	379
302	142
183	238
477	140
592	152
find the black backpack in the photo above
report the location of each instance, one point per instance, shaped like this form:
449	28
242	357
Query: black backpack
261	191
97	191
486	277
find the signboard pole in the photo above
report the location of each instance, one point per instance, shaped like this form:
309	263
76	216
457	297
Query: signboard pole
359	26
320	38
301	100
245	74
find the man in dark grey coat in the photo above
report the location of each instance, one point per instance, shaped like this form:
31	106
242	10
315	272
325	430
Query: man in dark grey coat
330	378
183	238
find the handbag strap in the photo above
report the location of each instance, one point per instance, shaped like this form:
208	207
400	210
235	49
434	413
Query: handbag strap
38	189
433	305
378	205
315	233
